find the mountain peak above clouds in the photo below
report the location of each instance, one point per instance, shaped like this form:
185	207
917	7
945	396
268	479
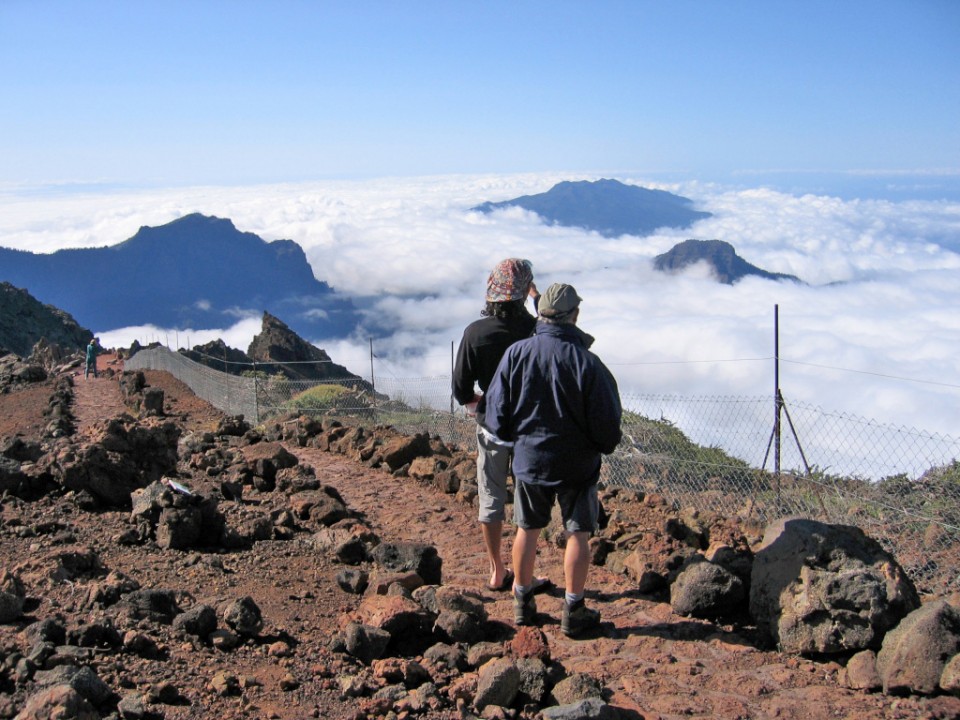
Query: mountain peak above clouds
196	271
728	267
608	207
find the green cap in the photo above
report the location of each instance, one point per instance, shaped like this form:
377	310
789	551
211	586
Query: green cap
558	300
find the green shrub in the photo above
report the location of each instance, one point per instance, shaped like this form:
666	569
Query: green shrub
319	397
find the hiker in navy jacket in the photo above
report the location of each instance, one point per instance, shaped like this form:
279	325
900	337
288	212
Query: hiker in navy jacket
559	406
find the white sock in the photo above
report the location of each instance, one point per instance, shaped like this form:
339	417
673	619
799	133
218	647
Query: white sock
521	590
573	598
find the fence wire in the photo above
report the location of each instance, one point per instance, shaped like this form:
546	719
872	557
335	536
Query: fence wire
727	456
233	394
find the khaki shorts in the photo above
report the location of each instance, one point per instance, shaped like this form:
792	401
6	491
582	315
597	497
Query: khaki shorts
493	466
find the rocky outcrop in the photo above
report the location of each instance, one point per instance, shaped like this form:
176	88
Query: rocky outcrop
218	355
25	321
124	455
16	372
278	349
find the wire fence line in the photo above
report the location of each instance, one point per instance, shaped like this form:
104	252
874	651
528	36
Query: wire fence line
714	454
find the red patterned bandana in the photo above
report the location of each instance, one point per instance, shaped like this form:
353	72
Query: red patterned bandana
510	280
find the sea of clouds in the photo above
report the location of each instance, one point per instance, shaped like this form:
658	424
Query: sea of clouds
873	331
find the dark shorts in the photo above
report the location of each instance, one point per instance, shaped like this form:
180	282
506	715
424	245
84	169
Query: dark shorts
579	507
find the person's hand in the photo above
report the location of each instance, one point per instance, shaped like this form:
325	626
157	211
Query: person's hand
471	407
533	291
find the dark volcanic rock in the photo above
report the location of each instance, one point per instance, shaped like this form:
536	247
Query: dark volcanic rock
419	558
220	356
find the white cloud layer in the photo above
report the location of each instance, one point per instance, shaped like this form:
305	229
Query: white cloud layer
881	296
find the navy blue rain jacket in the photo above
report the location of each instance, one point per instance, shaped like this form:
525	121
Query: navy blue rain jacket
559	405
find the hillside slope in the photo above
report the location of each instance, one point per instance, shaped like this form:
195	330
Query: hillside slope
24	320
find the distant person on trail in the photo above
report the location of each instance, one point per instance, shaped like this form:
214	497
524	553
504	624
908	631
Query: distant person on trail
559	406
505	321
93	349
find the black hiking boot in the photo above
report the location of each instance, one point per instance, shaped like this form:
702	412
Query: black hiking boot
578	618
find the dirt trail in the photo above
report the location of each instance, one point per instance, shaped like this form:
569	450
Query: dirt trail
97	398
654	662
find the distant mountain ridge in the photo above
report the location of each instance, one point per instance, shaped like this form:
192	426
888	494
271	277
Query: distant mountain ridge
197	271
722	258
608	207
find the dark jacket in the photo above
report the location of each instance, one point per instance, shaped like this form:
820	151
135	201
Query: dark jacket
483	344
558	404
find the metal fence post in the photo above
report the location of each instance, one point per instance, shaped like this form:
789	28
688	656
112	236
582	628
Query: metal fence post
373	384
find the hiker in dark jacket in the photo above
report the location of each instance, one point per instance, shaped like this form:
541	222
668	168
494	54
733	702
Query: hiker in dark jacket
559	406
90	365
505	320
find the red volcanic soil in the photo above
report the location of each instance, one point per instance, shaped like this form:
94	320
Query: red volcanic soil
653	663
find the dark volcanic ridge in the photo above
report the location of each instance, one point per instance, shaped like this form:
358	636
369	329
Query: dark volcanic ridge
196	271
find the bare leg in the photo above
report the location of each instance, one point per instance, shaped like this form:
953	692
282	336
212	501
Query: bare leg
525	555
576	561
492	535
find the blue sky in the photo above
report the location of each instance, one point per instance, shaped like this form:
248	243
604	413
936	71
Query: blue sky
823	136
233	92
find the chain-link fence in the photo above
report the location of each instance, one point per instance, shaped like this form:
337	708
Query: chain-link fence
746	457
232	394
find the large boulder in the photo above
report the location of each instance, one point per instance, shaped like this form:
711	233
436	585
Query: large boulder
705	590
826	589
915	653
243	616
154	604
